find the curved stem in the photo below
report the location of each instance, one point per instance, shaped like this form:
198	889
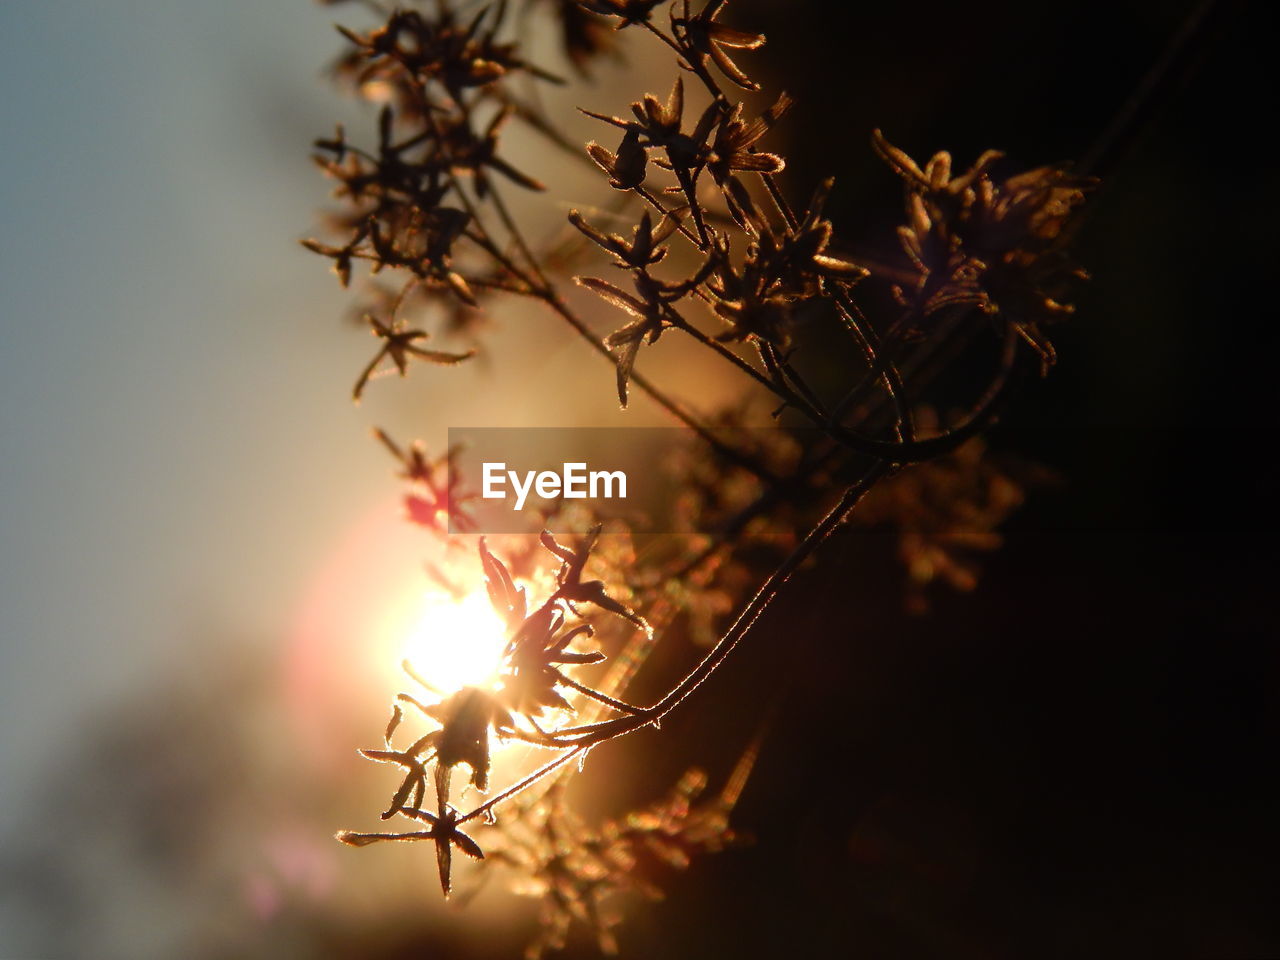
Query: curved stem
880	366
608	701
591	734
521	786
980	416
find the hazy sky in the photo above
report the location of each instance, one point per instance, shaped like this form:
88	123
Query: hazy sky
178	452
176	446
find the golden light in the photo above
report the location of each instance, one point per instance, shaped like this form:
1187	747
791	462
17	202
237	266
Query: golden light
456	643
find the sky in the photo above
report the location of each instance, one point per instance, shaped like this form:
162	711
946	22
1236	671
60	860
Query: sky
179	454
171	364
184	481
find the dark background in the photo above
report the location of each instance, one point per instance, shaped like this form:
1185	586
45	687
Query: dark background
1078	758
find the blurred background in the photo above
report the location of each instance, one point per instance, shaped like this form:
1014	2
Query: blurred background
205	583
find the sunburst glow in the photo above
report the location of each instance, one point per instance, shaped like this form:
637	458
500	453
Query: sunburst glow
456	643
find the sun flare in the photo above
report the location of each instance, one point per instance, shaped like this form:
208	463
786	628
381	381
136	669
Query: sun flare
456	643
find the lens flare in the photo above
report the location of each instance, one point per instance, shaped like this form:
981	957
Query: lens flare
456	643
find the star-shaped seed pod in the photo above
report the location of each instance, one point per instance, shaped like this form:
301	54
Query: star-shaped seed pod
645	247
702	37
399	343
444	833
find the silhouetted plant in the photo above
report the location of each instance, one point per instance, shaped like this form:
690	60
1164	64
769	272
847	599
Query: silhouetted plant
984	261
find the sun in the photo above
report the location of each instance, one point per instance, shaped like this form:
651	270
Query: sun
455	643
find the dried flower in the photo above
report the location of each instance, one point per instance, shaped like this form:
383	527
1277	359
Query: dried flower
733	150
399	344
626	168
703	37
436	499
976	242
645	248
444	833
572	589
